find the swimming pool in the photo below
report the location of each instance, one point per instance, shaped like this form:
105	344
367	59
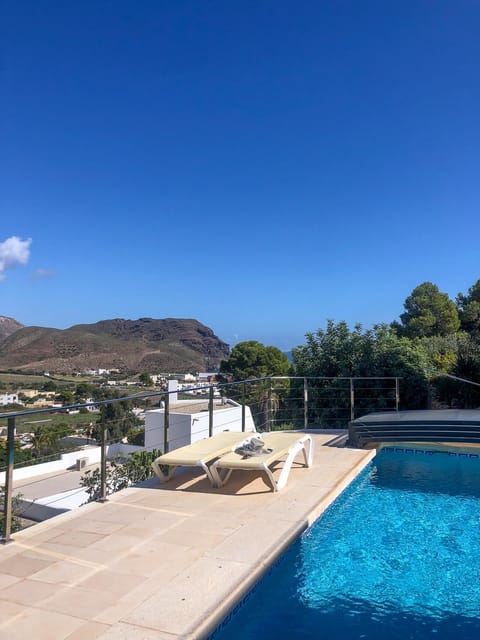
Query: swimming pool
396	556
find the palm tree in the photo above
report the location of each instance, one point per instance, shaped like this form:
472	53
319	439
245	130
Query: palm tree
41	438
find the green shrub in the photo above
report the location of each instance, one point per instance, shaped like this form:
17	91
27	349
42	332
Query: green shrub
136	469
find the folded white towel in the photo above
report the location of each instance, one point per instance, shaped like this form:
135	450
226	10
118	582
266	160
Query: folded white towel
252	447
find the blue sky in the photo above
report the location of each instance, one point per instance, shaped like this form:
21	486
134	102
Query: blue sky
258	165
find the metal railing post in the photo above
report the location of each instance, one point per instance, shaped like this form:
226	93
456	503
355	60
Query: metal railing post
210	412
305	403
103	465
166	422
269	407
352	400
7	504
244	396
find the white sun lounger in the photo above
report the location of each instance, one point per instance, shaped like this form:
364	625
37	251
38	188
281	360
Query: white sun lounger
281	444
199	454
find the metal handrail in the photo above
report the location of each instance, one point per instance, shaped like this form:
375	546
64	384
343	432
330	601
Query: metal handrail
267	420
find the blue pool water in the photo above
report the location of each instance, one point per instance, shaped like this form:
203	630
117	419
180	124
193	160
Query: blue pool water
397	556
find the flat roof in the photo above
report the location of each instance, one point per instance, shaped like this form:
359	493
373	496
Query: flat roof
195	406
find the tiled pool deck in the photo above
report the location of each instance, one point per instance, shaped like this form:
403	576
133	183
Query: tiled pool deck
161	561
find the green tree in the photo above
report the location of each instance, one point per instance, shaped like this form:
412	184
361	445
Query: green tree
460	388
442	351
136	436
45	440
337	351
118	418
65	397
468	368
252	359
469	310
83	391
377	352
428	312
146	379
20	455
41	440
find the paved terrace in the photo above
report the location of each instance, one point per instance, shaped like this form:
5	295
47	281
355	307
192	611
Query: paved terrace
161	561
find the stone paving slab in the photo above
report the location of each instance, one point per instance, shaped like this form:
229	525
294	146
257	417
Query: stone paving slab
161	561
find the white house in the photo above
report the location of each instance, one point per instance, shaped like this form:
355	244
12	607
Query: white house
189	422
206	376
9	398
92	408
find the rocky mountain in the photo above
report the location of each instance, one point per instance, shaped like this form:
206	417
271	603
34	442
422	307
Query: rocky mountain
146	344
8	326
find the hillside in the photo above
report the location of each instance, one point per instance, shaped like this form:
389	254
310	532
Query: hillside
8	326
146	344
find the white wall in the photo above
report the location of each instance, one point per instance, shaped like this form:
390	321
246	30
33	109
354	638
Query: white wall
68	460
9	398
185	428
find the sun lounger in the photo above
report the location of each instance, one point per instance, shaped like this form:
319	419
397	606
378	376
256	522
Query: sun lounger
199	454
278	446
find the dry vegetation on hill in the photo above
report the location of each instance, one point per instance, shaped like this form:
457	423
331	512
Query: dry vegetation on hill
145	344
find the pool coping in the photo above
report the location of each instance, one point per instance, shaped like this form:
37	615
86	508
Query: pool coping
222	610
176	559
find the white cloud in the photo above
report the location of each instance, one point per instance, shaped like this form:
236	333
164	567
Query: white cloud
13	251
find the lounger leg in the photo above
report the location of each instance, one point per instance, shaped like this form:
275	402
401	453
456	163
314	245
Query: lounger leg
220	477
308	453
162	476
299	446
275	485
210	472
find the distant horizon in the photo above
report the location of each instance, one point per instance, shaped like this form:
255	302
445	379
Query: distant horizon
282	345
